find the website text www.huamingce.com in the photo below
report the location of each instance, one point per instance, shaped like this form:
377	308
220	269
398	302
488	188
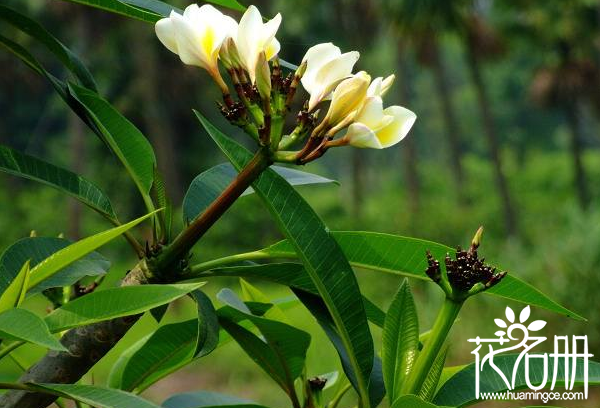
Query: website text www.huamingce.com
532	396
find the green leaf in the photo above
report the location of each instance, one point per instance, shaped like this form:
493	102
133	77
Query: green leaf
292	275
459	390
115	302
36	250
22	165
35	30
412	401
400	341
430	384
318	309
66	256
322	257
208	325
203	399
251	293
406	256
15	293
98	397
207	186
23	325
281	354
173	343
124	139
163	352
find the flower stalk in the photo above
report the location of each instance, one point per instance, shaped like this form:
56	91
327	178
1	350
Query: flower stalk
438	335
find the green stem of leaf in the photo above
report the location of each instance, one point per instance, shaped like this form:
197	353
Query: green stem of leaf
9	349
338	397
439	332
184	242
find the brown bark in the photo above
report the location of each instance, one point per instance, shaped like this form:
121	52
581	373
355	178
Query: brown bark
489	128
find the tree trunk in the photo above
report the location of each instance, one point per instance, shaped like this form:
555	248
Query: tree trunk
450	121
493	142
408	147
572	113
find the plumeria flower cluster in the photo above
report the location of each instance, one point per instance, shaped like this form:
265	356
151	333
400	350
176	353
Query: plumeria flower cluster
466	274
248	52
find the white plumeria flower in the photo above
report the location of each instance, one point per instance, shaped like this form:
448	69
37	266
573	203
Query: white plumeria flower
254	37
378	128
326	68
348	97
380	86
196	36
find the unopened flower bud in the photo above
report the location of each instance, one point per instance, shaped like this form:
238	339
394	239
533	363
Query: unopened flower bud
263	77
348	98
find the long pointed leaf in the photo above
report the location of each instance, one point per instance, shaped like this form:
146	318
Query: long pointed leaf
36	250
54	263
23	325
115	302
321	255
400	340
15	293
124	139
23	165
406	256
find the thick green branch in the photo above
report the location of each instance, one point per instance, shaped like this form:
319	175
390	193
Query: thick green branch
180	247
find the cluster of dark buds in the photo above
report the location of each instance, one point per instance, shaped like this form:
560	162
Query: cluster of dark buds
466	274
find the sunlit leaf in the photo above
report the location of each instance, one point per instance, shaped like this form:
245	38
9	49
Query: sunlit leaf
36	250
23	325
115	302
15	293
66	256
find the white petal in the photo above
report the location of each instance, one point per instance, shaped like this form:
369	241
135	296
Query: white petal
191	11
166	34
331	73
269	30
398	128
188	42
319	54
248	37
375	87
315	58
272	49
359	135
387	83
524	314
371	113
